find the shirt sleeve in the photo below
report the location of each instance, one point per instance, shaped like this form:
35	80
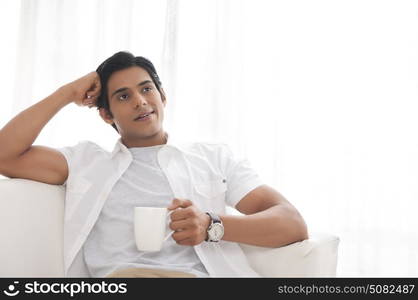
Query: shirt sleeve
241	178
70	153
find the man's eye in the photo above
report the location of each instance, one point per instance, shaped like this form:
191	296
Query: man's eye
123	97
147	89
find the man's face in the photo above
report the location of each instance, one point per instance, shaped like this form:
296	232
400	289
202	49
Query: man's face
132	93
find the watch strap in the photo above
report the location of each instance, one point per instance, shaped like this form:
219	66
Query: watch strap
214	217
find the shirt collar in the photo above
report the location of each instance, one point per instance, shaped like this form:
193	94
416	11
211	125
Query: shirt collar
173	141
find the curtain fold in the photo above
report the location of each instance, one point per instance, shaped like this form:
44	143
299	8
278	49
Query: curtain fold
169	60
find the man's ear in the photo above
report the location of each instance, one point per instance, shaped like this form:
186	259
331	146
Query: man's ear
106	115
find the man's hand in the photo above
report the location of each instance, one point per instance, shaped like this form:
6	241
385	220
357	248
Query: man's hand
85	90
188	222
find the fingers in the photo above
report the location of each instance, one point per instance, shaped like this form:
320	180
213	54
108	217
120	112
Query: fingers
178	202
89	100
186	238
189	223
185	213
93	91
181	225
92	95
187	242
96	87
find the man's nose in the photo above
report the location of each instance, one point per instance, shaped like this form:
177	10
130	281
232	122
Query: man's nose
139	100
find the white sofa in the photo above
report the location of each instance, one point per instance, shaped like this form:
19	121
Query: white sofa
31	231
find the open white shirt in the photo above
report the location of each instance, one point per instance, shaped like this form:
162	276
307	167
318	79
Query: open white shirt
110	245
208	174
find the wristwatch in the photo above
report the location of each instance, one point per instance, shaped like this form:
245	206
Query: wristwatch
215	229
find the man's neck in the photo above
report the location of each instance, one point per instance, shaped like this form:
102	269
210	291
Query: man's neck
159	139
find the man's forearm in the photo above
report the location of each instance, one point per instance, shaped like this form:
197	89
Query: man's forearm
19	134
274	227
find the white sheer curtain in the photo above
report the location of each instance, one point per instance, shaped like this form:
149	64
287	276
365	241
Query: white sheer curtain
321	96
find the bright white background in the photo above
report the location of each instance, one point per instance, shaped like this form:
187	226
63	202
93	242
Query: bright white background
321	97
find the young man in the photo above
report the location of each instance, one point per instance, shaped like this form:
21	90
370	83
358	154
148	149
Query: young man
146	168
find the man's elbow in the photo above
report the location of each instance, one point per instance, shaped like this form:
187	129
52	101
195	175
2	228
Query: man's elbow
298	230
300	227
302	231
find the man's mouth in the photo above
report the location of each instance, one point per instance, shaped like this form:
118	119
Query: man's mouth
143	116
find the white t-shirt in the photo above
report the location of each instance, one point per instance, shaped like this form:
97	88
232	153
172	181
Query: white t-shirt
111	244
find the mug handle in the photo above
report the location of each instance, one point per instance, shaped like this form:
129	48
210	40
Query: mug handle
170	231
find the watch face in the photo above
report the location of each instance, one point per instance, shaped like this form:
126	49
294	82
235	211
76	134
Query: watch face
217	231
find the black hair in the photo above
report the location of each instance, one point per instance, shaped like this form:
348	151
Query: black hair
119	61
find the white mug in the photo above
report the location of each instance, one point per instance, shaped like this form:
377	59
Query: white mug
151	227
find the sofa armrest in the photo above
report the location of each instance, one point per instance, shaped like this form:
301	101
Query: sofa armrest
314	257
31	229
